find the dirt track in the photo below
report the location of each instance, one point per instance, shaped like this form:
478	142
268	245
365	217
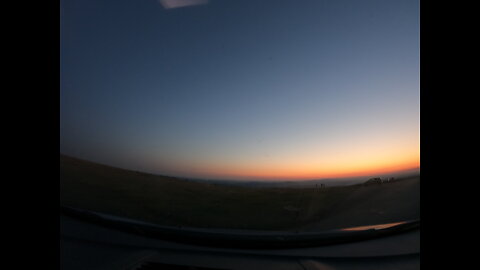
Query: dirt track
385	203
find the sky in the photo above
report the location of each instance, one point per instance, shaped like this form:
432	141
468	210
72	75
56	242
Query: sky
226	89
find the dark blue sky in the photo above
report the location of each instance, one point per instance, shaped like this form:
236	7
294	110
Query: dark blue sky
241	89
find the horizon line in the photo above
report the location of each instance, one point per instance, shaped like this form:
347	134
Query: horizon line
248	179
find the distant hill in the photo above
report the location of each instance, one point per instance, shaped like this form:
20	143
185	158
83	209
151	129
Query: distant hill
330	182
280	183
262	183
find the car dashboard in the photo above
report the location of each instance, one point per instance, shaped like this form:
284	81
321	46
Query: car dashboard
87	244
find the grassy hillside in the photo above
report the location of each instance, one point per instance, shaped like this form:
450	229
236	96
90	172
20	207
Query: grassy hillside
170	201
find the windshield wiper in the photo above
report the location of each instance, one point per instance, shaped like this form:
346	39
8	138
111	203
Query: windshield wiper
243	239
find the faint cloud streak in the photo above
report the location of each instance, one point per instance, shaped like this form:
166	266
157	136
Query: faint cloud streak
169	4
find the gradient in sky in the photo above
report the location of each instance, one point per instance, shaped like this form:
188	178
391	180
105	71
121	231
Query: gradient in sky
280	89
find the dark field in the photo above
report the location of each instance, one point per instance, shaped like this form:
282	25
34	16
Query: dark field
174	202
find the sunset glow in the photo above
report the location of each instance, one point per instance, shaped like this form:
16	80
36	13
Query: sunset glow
306	169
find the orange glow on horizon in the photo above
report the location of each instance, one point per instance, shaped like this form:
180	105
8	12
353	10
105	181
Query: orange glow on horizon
364	155
309	170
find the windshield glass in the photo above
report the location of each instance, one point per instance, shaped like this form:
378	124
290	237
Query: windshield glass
276	115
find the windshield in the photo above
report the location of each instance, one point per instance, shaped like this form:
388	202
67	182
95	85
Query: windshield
278	115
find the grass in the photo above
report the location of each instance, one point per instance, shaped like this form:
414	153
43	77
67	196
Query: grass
175	202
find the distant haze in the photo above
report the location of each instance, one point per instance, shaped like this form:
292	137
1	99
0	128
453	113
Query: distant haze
248	89
327	181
